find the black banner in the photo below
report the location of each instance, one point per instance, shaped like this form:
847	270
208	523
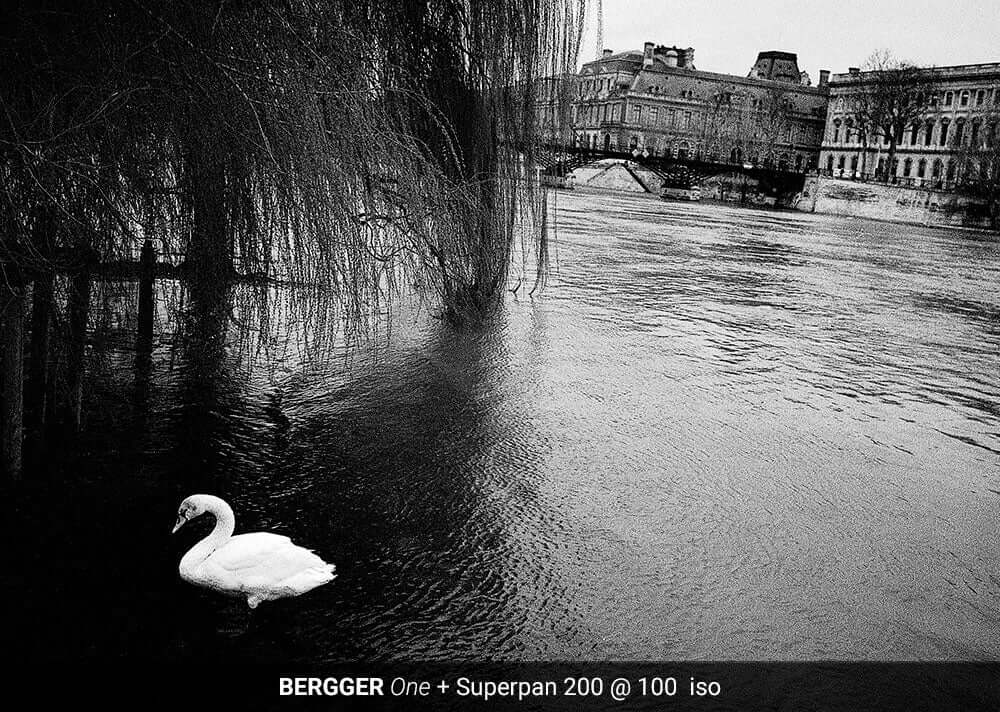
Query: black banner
576	686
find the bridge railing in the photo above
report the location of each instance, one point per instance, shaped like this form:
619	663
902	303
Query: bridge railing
565	156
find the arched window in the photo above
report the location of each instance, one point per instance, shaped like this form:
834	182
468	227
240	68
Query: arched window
964	98
936	170
907	167
980	96
836	131
944	132
974	134
928	133
798	163
829	164
959	131
949	98
854	164
913	134
682	151
848	128
922	168
840	163
951	170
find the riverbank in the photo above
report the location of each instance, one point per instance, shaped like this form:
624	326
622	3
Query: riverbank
892	203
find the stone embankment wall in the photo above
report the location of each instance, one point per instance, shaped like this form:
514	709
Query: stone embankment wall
891	203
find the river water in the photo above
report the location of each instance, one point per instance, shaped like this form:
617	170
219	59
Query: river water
717	434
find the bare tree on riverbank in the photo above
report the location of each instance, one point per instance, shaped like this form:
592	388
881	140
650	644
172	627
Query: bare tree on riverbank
742	126
888	96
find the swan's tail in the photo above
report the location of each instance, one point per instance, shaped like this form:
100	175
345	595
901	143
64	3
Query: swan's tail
311	578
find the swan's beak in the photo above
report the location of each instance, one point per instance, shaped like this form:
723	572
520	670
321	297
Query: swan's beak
181	521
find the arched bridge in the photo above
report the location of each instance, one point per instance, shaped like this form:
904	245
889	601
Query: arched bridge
561	160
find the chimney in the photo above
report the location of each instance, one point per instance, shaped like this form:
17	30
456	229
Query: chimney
824	77
607	53
647	55
689	58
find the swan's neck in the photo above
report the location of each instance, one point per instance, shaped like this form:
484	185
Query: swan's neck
225	523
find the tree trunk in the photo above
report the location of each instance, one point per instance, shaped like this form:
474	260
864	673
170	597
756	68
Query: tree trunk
210	250
12	377
38	358
147	274
78	308
890	157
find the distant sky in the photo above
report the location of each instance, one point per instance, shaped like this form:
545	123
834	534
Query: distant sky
827	34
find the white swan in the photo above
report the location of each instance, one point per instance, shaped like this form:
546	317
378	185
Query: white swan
260	566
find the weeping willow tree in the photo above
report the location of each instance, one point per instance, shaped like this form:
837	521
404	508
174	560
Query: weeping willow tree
332	142
349	146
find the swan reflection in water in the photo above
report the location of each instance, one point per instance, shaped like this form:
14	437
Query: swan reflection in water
261	566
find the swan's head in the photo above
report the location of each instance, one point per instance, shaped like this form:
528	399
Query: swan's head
191	507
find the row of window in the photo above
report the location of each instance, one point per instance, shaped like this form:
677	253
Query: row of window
911	168
962	98
662	117
651	116
671	117
607	83
594	113
592	85
973	133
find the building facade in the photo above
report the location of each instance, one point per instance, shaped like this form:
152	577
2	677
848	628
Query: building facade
958	119
656	101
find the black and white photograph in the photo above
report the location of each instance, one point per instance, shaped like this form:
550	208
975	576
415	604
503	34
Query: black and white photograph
501	354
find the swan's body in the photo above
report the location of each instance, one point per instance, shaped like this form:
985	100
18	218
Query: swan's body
260	566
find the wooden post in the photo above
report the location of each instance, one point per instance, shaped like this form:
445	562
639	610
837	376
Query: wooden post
12	368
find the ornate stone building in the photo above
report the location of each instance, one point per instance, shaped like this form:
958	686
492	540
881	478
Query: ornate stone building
961	108
656	101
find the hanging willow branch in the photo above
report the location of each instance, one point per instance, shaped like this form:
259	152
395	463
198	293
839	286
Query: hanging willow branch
350	146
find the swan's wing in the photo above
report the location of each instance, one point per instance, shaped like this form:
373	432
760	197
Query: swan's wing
262	559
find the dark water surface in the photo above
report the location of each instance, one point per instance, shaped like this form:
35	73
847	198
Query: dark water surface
718	434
